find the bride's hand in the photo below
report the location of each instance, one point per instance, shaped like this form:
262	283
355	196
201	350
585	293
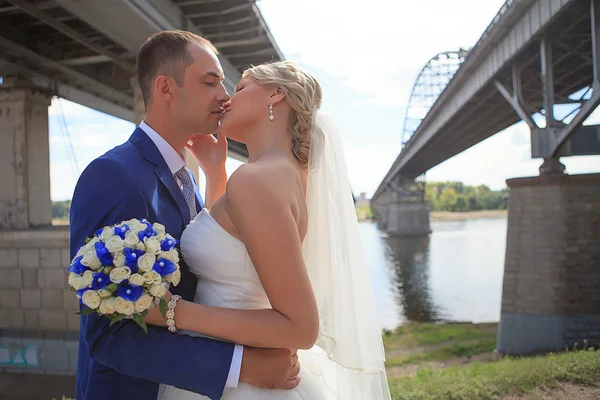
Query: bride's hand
209	152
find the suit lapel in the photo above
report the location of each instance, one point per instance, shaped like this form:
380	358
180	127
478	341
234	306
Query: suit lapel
162	171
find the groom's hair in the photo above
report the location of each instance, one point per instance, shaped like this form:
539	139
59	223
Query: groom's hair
165	53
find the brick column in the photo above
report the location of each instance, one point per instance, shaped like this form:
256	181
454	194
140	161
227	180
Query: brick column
551	296
24	156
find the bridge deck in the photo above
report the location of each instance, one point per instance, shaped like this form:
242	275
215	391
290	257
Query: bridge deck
472	109
85	50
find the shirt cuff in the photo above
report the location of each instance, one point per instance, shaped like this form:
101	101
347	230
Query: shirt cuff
233	379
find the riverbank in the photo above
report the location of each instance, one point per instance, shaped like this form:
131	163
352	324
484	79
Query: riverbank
457	361
435	216
365	214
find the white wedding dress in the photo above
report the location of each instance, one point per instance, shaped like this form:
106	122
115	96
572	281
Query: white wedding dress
348	361
227	278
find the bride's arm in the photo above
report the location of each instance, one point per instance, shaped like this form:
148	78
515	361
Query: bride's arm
269	230
210	154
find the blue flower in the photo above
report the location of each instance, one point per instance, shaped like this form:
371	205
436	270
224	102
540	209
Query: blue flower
146	233
78	267
98	232
129	292
103	254
100	281
168	243
164	267
121	231
131	258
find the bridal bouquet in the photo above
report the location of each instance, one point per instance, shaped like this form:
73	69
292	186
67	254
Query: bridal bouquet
124	270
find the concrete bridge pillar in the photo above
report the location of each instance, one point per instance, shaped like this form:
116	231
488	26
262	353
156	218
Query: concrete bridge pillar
408	218
24	155
550	296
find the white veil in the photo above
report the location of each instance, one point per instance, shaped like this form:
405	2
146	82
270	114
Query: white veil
350	333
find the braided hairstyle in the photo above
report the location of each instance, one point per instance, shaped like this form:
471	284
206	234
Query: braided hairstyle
303	94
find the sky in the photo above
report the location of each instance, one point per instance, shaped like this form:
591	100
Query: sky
366	55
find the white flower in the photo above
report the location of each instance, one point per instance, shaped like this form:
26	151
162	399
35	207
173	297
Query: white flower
159	228
136	226
88	277
152	277
143	303
108	306
172	255
152	245
123	306
107	233
90	259
114	244
91	299
157	290
119	260
76	281
79	252
136	279
131	239
160	237
117	275
174	277
140	246
146	262
104	293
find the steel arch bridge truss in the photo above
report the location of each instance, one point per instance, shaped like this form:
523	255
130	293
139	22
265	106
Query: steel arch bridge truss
431	82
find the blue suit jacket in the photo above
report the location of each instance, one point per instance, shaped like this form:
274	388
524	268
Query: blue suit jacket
121	361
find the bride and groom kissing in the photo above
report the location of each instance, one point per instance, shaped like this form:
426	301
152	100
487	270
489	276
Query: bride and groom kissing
274	300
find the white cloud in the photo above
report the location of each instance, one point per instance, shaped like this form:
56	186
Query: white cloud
379	47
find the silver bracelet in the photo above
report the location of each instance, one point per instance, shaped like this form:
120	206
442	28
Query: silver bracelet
171	313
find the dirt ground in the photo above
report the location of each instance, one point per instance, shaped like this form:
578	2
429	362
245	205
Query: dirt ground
563	392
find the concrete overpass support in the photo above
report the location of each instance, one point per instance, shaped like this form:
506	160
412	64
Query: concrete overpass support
550	296
402	210
24	156
408	218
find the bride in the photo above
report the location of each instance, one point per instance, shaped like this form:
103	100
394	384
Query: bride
278	255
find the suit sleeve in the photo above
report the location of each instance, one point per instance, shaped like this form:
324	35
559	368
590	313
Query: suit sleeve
106	194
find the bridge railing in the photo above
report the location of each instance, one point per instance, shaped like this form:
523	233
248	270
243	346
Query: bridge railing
505	7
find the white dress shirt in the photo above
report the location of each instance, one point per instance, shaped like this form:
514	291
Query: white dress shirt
175	162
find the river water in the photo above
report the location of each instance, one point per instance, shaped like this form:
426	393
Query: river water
454	274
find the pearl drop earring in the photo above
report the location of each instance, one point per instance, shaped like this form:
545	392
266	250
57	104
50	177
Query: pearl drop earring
271	116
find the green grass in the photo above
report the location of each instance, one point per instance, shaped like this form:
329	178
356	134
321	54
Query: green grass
468	349
364	212
482	381
411	335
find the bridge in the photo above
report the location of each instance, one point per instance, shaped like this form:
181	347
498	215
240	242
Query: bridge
83	51
536	58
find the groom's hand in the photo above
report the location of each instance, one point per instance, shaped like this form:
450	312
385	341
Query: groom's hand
270	368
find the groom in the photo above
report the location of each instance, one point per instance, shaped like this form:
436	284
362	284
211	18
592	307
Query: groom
181	81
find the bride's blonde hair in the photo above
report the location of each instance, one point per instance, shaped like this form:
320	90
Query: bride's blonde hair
303	94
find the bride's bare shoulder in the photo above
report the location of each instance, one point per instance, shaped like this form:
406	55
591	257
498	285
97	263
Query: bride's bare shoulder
270	180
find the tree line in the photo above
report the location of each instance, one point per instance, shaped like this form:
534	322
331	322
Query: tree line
60	209
456	196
